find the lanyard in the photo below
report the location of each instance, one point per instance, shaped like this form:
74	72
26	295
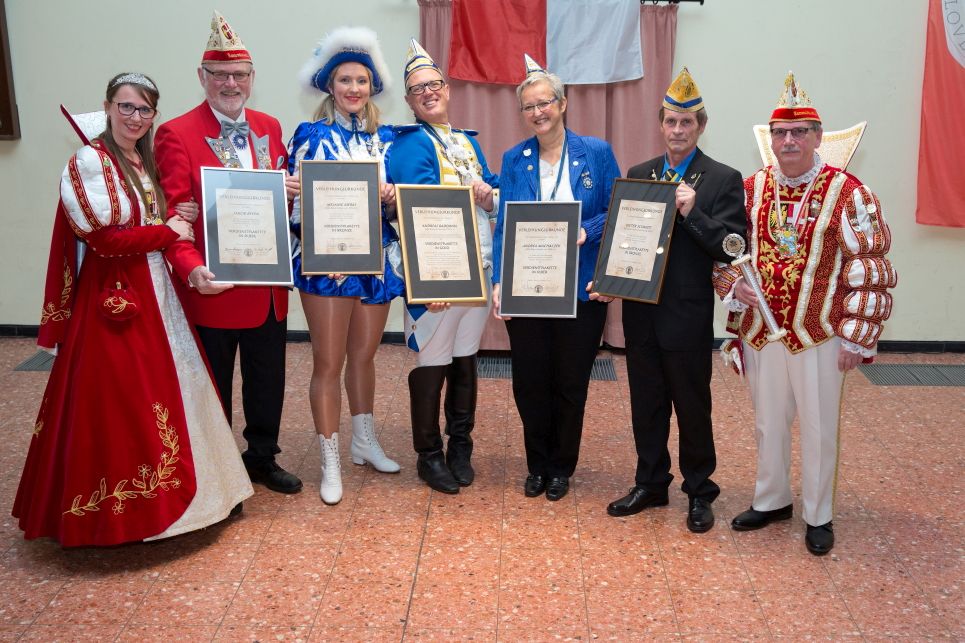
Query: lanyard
559	176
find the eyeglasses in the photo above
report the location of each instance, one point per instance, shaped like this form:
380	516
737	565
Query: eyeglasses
797	133
541	106
432	86
128	109
222	76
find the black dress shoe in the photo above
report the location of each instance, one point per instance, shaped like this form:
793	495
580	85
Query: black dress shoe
236	510
557	487
700	516
457	459
273	476
535	485
432	468
636	501
820	539
754	519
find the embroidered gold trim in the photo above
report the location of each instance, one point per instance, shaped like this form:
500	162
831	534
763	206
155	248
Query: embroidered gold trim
149	479
117	304
50	312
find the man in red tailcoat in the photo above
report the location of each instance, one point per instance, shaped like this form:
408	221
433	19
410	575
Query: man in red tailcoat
818	240
220	132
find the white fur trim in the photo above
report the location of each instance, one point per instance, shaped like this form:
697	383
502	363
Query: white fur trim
346	38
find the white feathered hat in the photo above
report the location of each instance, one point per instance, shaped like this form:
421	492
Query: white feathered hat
344	45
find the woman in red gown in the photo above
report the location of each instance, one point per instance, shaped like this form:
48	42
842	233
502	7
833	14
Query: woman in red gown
130	442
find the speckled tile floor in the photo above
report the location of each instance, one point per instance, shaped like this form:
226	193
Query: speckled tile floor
395	561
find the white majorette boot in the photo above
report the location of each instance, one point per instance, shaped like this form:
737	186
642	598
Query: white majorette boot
365	446
331	489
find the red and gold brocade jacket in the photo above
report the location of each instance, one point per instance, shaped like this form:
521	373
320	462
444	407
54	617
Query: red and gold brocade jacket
836	282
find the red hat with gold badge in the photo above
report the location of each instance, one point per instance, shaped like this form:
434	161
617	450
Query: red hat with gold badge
794	104
224	44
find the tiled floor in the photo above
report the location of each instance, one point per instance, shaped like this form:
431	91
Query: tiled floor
396	562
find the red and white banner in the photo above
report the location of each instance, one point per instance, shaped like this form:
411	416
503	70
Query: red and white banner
581	41
941	155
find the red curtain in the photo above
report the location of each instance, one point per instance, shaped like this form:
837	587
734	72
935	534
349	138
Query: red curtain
624	114
941	154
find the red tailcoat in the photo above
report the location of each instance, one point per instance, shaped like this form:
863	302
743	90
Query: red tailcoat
182	150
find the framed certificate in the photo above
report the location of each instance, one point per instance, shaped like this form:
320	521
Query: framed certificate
341	215
540	259
440	244
245	214
636	240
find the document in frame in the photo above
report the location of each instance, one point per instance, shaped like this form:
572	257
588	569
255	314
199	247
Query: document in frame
341	217
245	218
540	258
441	253
540	252
440	239
246	226
636	239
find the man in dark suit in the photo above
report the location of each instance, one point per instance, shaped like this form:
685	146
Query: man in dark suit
669	344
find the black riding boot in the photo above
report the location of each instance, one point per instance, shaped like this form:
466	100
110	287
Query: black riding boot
425	391
460	409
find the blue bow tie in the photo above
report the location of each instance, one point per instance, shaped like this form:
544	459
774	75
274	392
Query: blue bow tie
237	133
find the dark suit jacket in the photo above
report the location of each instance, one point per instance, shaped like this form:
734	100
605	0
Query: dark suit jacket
684	318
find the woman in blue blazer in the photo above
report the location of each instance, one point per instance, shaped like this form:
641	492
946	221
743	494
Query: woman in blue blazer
553	357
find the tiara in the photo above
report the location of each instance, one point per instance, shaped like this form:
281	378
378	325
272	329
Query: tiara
133	79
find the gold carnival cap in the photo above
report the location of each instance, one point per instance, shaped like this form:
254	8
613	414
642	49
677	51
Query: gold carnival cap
794	104
417	58
683	95
532	67
224	45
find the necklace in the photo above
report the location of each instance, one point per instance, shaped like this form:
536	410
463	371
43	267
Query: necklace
786	232
454	152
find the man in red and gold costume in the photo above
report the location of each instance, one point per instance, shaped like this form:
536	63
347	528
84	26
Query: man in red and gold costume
220	132
818	242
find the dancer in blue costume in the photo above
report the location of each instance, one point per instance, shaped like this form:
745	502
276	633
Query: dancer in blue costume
346	313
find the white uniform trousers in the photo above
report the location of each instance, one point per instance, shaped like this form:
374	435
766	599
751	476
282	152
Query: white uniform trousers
808	384
458	334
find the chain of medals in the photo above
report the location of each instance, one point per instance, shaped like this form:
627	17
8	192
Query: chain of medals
455	153
152	216
788	233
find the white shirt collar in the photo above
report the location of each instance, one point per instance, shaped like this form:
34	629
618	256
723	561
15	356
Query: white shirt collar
222	117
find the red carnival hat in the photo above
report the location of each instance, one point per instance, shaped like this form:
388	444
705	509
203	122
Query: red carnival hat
224	44
794	104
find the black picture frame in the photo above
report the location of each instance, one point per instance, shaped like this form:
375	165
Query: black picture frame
370	262
423	289
548	213
9	116
656	193
273	270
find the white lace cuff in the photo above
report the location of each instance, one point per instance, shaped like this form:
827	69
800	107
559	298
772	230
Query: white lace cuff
851	347
731	303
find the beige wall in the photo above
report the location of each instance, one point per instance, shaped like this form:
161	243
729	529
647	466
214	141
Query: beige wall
856	66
